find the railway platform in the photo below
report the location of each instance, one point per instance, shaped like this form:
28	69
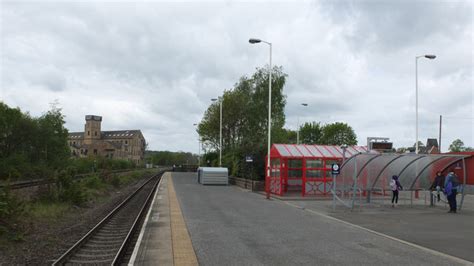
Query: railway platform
191	224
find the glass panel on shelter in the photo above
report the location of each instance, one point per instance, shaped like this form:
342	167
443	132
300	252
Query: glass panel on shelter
393	168
295	173
294	152
316	163
295	163
427	176
314	173
335	152
351	151
324	151
282	150
275	163
304	151
314	151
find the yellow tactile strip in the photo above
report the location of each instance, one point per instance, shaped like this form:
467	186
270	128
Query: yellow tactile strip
183	252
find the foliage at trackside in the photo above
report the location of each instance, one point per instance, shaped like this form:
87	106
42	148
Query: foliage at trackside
11	209
31	146
168	158
92	164
244	129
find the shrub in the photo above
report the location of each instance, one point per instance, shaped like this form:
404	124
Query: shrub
93	181
11	210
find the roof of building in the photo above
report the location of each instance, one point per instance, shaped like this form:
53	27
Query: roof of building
120	133
109	134
315	151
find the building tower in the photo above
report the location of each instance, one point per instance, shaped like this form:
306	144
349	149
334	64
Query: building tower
92	129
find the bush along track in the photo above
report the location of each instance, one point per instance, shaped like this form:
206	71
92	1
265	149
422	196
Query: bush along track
35	232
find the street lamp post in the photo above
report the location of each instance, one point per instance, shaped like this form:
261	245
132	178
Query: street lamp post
199	147
298	131
253	41
220	130
429	56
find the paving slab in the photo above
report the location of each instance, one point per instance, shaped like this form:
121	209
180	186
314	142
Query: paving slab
430	227
232	226
164	239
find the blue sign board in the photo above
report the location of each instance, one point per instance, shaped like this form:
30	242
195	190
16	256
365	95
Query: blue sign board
336	168
248	159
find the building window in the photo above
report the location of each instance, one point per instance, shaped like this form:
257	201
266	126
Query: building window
95	133
95	151
126	142
88	133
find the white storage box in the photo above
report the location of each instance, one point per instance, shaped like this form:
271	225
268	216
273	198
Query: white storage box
213	175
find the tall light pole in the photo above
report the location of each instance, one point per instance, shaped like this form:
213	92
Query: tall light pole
220	130
298	131
253	41
429	56
199	147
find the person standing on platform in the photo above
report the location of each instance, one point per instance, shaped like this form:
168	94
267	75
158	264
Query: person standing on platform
438	184
395	186
451	184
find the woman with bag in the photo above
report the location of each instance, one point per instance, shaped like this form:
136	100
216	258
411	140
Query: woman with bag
395	186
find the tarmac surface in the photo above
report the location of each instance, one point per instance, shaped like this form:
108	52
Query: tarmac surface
232	226
430	227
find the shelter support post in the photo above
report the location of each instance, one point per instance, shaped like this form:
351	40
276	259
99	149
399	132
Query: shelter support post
334	192
355	184
464	183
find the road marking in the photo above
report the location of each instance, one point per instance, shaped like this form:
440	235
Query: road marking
432	251
142	231
183	251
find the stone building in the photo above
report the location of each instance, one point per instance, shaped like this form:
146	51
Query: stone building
118	144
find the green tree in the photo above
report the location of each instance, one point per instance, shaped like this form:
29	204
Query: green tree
458	146
31	147
168	158
420	144
338	133
245	118
52	144
311	133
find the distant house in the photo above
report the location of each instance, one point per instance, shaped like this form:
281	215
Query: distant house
430	148
119	144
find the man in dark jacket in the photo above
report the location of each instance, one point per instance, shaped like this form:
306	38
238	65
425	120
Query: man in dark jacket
451	184
438	184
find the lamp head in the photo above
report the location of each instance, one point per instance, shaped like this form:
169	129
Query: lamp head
304	104
252	40
430	56
214	99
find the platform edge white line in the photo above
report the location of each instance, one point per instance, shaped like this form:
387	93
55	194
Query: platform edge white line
142	231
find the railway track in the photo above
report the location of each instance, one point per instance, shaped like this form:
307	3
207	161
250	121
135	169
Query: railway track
111	239
45	181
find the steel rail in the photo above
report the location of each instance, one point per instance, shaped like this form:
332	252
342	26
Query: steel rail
76	247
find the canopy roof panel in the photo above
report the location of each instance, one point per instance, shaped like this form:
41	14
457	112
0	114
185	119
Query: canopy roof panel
314	151
374	171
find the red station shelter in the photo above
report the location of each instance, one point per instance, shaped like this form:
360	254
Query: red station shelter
305	169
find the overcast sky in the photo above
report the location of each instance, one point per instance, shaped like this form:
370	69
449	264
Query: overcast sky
155	66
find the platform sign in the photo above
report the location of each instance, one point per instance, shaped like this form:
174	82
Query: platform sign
335	167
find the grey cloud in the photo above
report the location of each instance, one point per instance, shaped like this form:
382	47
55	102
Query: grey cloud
154	66
390	26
